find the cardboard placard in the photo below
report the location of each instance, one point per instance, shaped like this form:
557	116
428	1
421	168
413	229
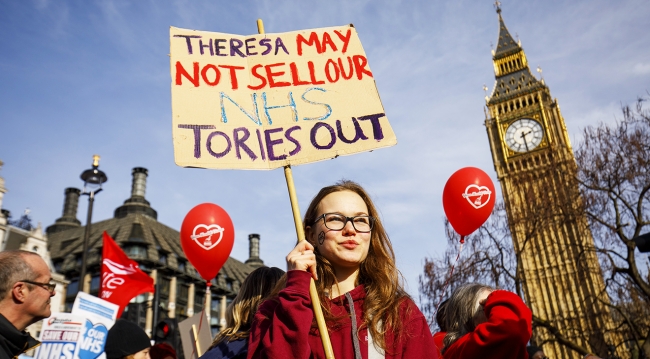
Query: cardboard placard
194	347
80	334
269	100
87	304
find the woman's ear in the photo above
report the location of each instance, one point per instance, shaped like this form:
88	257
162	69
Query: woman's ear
308	233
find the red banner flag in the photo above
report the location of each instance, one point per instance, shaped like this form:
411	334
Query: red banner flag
122	279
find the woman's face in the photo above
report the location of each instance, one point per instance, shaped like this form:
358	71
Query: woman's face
345	248
142	354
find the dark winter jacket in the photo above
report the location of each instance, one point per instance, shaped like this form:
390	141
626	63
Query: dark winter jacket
236	349
14	342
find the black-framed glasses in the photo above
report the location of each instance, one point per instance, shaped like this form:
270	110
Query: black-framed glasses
47	286
336	222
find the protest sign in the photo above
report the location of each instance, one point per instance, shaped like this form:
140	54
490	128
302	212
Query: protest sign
80	334
99	316
272	100
60	336
89	305
195	335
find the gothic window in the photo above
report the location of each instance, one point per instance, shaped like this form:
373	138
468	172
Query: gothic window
162	257
94	285
182	293
136	250
199	300
163	286
181	312
73	288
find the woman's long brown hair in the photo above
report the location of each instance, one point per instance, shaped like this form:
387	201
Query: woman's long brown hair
240	313
378	273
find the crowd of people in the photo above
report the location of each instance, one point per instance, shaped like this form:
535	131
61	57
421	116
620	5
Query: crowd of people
367	312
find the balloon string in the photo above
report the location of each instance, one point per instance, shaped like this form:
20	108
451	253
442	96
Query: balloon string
451	272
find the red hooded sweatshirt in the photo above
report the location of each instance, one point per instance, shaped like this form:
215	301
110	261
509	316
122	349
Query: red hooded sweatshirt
282	328
504	335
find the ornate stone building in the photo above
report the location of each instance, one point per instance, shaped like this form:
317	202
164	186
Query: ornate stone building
156	247
34	240
534	162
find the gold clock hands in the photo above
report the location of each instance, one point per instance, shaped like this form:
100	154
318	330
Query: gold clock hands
523	137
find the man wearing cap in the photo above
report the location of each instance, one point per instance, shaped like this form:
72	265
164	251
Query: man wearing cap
127	339
25	290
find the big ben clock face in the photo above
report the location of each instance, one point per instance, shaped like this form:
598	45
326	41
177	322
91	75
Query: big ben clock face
524	135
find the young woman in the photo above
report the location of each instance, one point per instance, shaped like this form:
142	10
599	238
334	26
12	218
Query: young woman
486	323
232	341
349	255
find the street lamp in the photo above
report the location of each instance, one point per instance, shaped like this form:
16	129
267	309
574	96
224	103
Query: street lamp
93	179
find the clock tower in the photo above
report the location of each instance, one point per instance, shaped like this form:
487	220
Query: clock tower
558	267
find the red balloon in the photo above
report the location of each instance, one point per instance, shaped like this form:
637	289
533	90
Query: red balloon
468	199
207	237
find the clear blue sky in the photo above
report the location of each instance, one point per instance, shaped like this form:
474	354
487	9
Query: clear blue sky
79	78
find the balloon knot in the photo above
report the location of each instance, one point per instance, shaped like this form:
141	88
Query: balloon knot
208	284
462	239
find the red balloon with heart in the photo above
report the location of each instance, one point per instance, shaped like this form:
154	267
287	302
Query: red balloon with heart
207	237
468	199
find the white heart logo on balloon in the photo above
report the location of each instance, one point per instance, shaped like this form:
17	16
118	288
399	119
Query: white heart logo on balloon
475	198
200	238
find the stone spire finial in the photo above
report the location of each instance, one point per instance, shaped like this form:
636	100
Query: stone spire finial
69	217
254	251
137	203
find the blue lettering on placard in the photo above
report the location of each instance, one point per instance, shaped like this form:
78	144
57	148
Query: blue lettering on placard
92	340
327	107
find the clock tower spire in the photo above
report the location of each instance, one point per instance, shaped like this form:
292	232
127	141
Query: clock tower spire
558	267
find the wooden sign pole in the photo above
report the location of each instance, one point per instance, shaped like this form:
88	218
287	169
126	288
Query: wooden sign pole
313	292
195	338
300	231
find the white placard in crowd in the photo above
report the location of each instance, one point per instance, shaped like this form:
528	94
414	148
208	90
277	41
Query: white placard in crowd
80	334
